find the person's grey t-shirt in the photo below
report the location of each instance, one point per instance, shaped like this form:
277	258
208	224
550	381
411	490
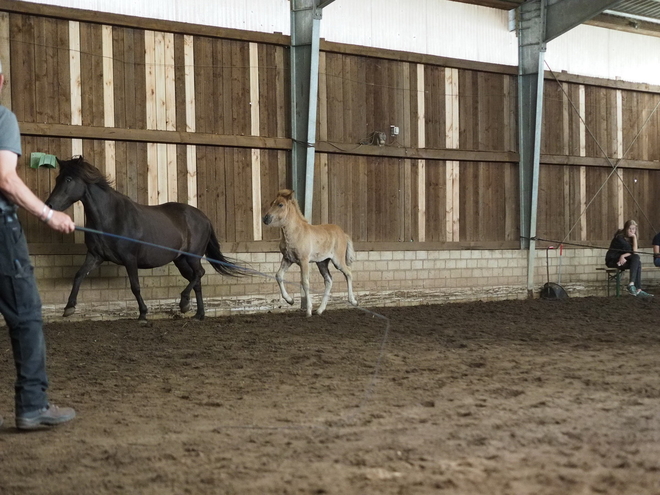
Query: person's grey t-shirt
10	134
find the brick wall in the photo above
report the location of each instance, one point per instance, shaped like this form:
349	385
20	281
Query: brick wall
387	278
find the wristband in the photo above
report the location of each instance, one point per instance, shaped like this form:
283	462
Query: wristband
43	212
49	216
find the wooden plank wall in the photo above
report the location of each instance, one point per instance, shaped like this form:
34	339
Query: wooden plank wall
185	113
95	75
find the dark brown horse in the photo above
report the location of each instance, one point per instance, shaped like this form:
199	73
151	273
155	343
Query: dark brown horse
184	230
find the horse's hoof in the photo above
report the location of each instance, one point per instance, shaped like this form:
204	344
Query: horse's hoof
199	317
69	311
185	308
354	302
143	322
290	301
320	311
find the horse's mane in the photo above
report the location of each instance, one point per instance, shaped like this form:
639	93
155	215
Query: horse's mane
77	167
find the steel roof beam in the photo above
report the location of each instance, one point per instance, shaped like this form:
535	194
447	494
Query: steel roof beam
564	15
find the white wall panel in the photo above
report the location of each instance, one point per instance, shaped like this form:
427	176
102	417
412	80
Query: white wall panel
436	27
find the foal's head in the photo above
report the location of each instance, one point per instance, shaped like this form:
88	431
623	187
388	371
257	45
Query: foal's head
70	186
283	209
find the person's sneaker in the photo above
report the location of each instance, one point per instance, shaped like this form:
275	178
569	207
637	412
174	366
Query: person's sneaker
632	290
48	416
641	293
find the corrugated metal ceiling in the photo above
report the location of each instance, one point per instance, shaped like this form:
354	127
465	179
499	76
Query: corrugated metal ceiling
647	10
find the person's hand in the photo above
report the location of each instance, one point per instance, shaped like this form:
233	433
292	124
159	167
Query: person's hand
61	222
622	260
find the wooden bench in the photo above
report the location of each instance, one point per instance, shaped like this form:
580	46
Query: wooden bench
613	275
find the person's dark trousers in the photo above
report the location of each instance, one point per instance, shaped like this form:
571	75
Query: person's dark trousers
635	266
656	262
21	306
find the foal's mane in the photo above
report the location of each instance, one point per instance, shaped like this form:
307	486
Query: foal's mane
79	168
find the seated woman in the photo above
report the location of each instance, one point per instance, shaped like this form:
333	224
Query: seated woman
622	254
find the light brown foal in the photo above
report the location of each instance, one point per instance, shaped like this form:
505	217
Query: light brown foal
303	243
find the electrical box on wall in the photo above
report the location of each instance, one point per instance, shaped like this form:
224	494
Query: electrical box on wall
394	130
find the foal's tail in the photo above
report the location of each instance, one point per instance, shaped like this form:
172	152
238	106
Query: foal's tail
350	252
222	265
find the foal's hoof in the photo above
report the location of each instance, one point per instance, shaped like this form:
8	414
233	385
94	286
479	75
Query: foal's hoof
69	311
185	307
290	302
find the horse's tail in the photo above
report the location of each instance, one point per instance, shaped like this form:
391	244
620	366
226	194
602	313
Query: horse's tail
350	252
221	264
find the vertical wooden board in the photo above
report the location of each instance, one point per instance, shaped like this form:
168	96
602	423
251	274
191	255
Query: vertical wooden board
382	97
224	90
322	117
239	73
242	186
159	71
597	209
128	169
121	173
435	200
415	201
553	109
369	67
485	110
120	67
47	71
267	91
469	197
653	127
180	88
334	66
468	138
182	173
360	112
435	106
43	101
347	86
140	80
5	56
512	202
91	74
203	152
405	121
414	106
573	91
203	84
573	208
62	73
361	206
283	83
407	198
631	115
136	169
23	88
269	182
372	214
228	190
170	86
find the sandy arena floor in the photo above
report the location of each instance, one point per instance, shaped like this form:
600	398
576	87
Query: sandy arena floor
515	397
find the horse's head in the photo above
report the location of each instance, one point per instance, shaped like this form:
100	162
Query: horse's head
279	209
70	186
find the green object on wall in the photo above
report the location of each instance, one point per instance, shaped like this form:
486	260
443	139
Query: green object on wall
42	160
